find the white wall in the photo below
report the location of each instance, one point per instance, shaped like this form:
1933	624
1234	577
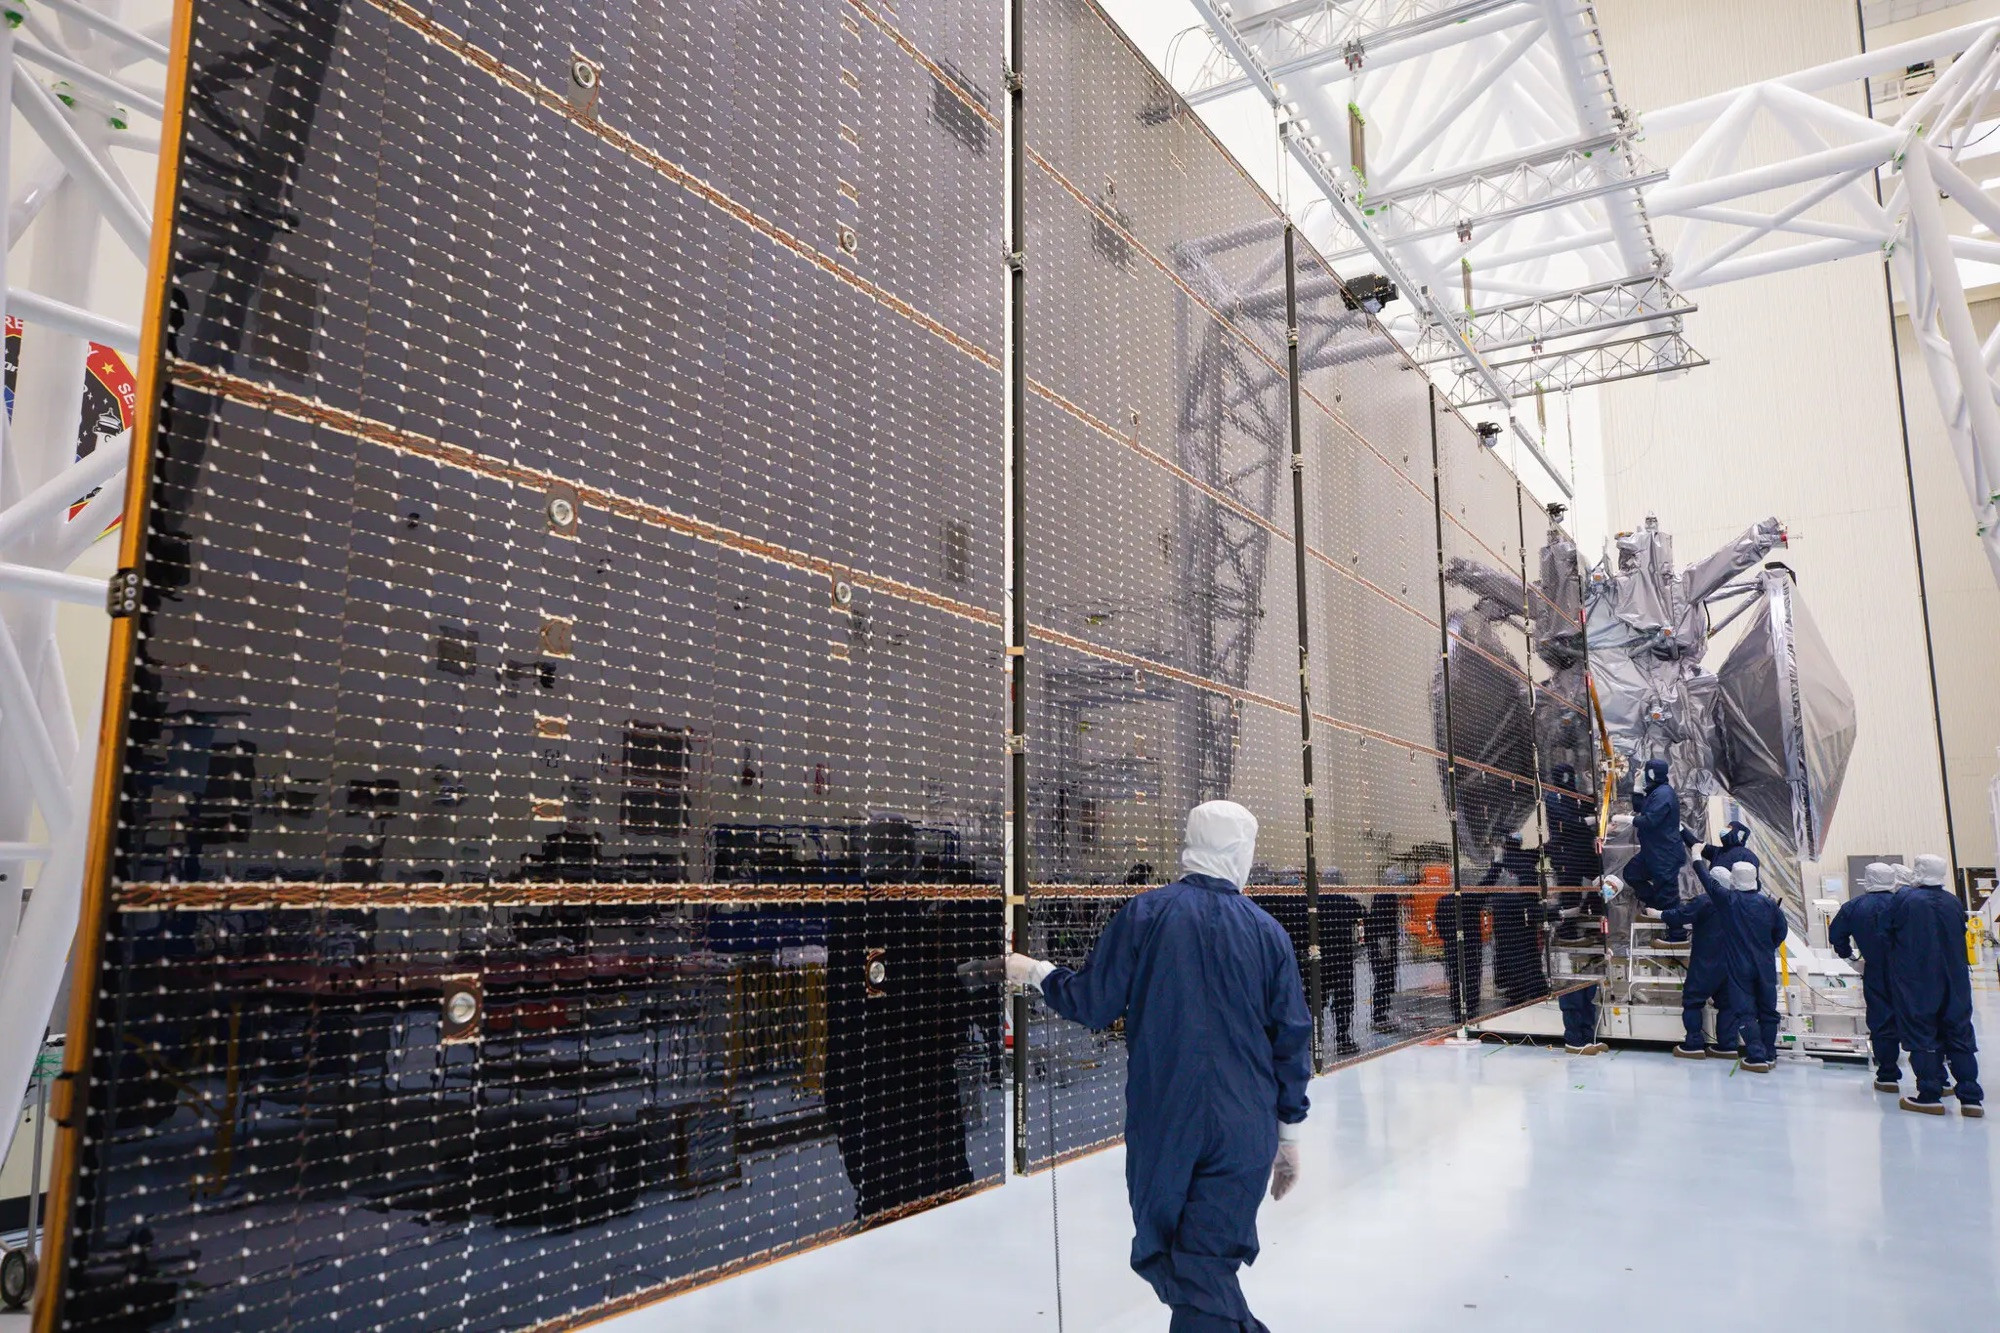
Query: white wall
1797	416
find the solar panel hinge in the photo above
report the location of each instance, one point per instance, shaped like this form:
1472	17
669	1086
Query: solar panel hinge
121	595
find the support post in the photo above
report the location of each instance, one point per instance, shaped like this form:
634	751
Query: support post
1315	978
1016	399
1444	683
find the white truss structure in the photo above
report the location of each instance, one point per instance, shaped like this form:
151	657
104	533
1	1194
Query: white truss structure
1500	183
80	80
1832	182
1482	147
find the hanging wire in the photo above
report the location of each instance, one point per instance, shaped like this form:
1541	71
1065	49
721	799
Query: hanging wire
1055	1211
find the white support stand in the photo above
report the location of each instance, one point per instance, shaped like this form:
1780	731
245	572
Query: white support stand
81	80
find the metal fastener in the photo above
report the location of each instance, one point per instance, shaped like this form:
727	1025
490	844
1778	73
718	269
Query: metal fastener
563	508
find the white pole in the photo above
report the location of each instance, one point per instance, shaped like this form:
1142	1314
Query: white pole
1954	319
32	974
1668	199
1885	59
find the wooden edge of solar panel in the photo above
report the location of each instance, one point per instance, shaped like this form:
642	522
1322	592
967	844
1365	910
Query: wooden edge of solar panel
596	1314
103	827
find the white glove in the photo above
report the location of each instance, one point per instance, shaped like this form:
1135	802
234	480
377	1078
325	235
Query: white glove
1025	971
1653	913
1619	823
1285	1166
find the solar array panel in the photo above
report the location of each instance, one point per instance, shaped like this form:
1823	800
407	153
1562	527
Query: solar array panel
561	806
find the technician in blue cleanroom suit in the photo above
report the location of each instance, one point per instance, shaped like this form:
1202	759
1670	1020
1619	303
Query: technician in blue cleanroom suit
1579	1007
1731	850
1932	984
1706	980
1517	921
1752	926
1218	1042
1654	872
1863	922
1571	843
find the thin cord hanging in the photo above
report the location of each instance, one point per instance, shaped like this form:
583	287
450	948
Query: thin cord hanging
1055	1212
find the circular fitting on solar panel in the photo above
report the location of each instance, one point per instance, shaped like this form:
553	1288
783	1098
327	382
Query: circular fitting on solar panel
561	507
878	972
462	1007
843	592
582	73
849	242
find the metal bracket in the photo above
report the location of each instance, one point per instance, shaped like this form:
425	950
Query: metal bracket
586	79
1016	743
562	508
121	596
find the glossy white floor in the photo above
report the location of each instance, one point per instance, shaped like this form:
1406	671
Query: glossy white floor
1487	1188
1492	1188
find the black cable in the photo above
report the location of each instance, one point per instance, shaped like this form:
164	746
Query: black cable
1916	527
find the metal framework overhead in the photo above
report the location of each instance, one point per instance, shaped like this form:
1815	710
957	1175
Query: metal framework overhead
1478	155
1778	176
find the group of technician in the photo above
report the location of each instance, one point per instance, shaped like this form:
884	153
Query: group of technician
1218	1034
1916	982
1910	930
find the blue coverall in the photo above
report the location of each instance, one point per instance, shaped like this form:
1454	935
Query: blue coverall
1730	851
1572	832
1654	871
1579	1014
1863	922
1517	924
1707	976
1932	984
1218	1042
1752	928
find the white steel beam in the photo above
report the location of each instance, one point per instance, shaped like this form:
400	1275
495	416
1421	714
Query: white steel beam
1358	35
34	308
1319	169
70	192
46	117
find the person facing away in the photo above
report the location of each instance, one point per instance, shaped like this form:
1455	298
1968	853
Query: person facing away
1655	871
1382	933
1932	985
1752	928
1863	923
1218	1042
1572	830
1340	939
1706	981
1517	921
1572	845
